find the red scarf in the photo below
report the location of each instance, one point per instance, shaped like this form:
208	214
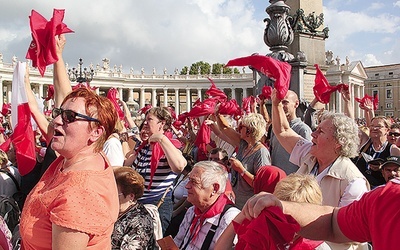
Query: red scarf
42	50
156	154
322	89
216	93
374	100
280	71
270	230
200	217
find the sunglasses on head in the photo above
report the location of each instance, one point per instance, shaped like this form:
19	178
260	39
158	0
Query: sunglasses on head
394	134
69	116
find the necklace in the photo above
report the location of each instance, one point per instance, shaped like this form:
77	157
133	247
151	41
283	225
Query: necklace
248	151
81	160
127	209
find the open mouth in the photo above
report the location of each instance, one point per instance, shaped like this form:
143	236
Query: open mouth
57	133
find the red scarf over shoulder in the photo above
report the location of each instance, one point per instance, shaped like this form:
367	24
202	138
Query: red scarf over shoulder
200	217
157	153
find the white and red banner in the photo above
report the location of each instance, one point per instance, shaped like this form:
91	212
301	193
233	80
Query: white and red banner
23	138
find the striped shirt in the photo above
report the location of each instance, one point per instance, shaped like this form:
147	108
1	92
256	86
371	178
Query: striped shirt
162	179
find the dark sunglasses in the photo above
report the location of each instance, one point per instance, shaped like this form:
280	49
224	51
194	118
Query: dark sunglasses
69	116
394	134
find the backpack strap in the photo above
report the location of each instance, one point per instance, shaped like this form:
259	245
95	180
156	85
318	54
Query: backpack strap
7	171
213	229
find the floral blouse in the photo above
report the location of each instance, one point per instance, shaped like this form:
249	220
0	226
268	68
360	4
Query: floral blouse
134	229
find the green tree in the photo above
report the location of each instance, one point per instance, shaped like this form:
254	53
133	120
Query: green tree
203	67
184	70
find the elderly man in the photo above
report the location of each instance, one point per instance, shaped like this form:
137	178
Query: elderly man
212	211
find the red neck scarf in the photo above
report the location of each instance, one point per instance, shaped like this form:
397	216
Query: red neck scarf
156	154
200	217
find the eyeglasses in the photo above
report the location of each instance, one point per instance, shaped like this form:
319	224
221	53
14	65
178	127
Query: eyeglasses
69	116
377	127
395	134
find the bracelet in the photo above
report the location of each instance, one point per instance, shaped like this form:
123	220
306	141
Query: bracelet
242	173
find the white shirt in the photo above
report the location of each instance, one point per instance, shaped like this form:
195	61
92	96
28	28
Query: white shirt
113	150
184	229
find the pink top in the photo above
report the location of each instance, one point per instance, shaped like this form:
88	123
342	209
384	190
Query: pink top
84	200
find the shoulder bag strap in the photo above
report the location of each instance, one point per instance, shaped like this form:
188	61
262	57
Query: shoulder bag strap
6	171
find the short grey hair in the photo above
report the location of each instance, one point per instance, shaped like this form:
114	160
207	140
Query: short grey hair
346	133
213	173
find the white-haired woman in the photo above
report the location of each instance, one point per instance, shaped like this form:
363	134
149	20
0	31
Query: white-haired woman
212	210
251	154
327	155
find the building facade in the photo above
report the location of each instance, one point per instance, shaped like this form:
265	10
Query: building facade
179	91
384	81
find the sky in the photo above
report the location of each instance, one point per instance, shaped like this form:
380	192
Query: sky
171	34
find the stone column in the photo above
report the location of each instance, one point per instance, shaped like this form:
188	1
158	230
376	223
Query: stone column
199	94
233	94
154	97
177	102
142	98
40	93
165	97
188	99
9	94
120	92
244	92
130	98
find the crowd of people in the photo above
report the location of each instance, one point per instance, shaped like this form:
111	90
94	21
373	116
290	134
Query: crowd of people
202	180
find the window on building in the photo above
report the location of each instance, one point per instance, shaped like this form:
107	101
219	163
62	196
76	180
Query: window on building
389	114
375	85
388	84
376	74
389	94
389	105
390	74
375	93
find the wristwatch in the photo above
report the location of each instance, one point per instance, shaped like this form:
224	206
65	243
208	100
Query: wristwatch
242	173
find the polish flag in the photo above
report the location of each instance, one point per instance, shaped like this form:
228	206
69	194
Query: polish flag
22	137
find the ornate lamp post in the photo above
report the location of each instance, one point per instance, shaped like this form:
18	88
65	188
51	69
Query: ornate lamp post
77	75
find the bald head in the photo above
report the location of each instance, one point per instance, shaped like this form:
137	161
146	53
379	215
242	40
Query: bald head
290	103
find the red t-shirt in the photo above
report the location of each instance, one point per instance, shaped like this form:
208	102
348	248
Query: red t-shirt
374	218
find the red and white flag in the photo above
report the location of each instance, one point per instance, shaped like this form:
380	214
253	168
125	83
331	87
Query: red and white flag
22	138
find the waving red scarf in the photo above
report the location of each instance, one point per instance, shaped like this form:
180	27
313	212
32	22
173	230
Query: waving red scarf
200	217
266	93
230	108
280	71
42	50
374	100
322	88
50	93
205	107
216	93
